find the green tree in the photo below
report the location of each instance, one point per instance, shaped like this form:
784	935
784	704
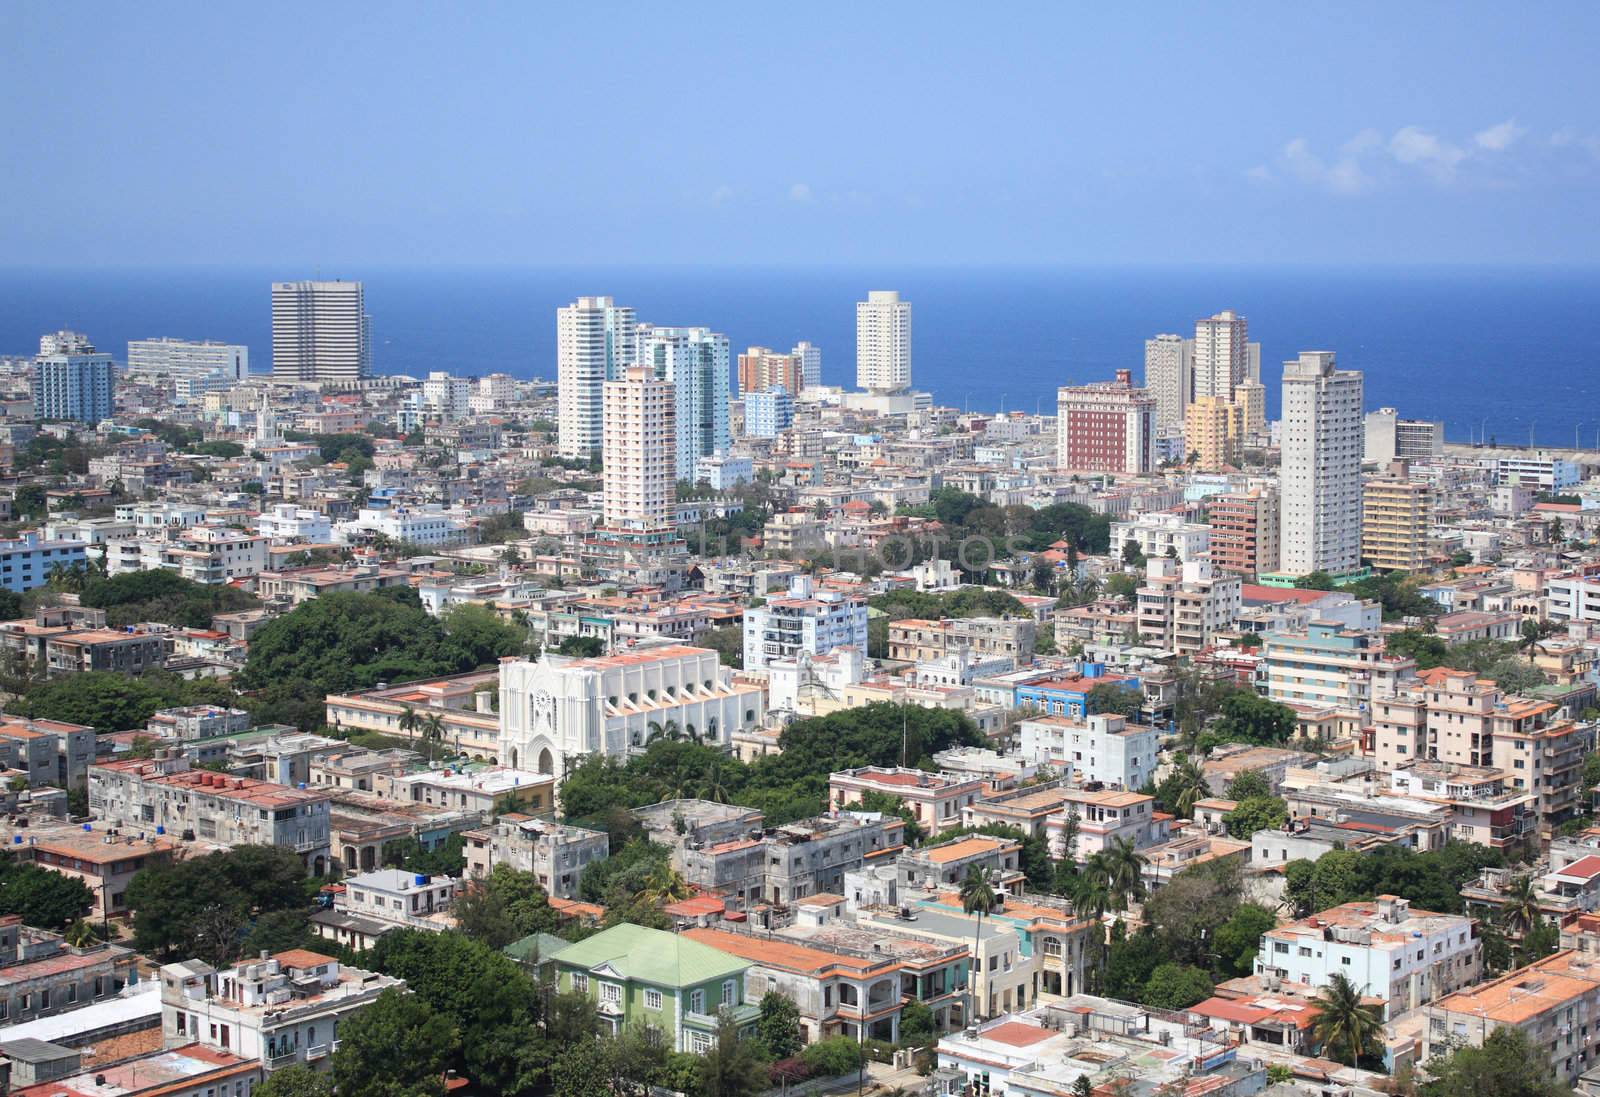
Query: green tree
1176	986
1183	787
1345	1025
397	1046
1250	718
1239	938
1519	913
296	1081
1114	698
833	1057
42	898
482	634
1256	813
1508	1064
1248	785
727	642
582	647
732	1067
778	1025
916	1025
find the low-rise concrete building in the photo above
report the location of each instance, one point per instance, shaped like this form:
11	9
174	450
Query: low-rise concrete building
556	854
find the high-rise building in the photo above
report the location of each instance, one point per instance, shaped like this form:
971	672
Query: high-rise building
1390	438
695	360
810	364
1109	426
768	413
883	342
1251	396
72	380
594	342
761	368
1223	354
1396	521
1213	432
638	474
1320	478
320	332
445	396
1244	531
174	358
1169	375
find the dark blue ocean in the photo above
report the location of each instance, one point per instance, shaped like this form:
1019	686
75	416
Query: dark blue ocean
1496	350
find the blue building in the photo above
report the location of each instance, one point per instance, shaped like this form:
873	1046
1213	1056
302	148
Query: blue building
1069	695
768	412
71	380
26	561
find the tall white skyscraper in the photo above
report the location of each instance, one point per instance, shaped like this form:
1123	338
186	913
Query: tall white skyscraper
320	332
1320	479
883	342
810	358
175	358
1169	376
1221	354
638	473
594	341
695	360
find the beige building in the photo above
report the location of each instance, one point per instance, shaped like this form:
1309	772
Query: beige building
1455	717
1213	432
1396	520
1554	1002
639	452
914	640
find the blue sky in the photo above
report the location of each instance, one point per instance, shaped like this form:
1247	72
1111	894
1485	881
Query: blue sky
806	133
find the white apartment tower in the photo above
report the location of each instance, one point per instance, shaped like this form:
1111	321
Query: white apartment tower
1320	478
883	342
637	451
810	358
1169	377
594	341
1223	355
695	360
320	332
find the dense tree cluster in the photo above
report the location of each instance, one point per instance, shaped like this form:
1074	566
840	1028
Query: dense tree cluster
1432	880
109	701
204	906
41	897
787	786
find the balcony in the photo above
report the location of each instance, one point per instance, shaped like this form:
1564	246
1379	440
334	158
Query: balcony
316	1051
283	1059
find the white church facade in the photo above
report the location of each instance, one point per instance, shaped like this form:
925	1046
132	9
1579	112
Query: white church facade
558	710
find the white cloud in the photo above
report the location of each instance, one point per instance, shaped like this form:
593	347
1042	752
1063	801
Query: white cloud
1417	148
800	192
1344	176
1259	174
721	194
1499	137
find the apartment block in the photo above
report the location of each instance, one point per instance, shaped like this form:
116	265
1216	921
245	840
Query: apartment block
913	640
1102	747
1213	432
280	1011
42	976
934	800
1396	522
165	796
1183	607
1161	533
1555	1002
806	621
1405	957
1244	531
1109	426
554	853
1330	664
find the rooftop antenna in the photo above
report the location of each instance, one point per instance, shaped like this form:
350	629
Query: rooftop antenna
903	734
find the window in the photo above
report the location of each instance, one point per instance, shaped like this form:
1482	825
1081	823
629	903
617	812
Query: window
697	1001
611	994
727	992
652	999
580	982
699	1043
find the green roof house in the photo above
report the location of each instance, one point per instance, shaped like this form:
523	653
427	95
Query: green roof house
640	976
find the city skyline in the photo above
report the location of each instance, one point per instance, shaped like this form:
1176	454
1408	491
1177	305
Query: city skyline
1367	134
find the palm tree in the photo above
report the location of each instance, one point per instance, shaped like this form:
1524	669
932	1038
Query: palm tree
1189	783
1090	894
1520	912
410	722
977	897
1344	1020
432	727
664	885
1124	872
1530	637
80	934
668	730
